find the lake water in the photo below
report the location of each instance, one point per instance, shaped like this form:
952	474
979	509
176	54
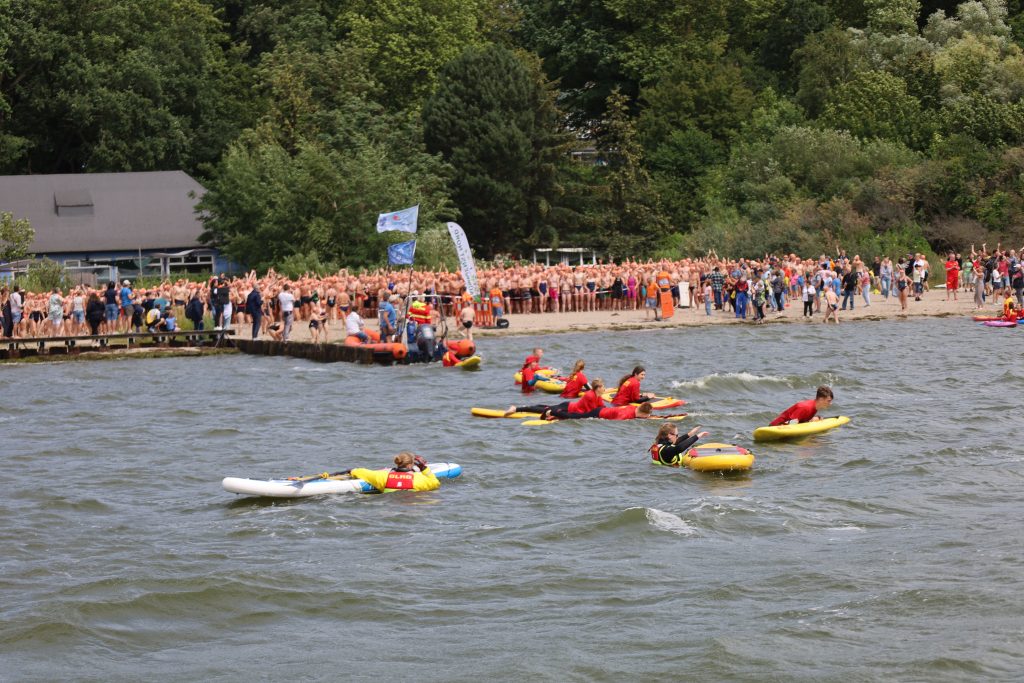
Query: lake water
889	549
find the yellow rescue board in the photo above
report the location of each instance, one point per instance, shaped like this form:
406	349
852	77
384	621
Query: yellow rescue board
487	412
471	363
801	429
673	418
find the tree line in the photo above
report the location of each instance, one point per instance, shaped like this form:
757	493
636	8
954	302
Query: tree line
636	127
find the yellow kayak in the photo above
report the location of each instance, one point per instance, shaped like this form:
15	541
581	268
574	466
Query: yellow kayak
798	430
718	457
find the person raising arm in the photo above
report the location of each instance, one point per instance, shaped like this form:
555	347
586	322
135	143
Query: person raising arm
669	448
805	411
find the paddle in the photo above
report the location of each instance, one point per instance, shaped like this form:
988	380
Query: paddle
299	481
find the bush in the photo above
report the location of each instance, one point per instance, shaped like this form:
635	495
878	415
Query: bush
44	275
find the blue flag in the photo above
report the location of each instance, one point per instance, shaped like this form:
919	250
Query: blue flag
404	220
401	254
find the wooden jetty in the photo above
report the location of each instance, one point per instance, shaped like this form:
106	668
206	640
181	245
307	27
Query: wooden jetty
21	347
323	353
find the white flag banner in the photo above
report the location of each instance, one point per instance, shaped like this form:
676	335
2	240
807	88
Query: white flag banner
404	220
465	258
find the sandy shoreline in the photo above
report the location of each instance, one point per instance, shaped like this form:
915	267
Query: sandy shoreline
932	304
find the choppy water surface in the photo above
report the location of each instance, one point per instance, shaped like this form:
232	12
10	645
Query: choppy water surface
887	550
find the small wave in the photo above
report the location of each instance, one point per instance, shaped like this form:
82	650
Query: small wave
666	521
728	380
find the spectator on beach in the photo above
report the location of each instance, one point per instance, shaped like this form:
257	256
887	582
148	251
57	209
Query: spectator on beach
286	300
110	309
254	308
95	311
194	310
127	305
56	312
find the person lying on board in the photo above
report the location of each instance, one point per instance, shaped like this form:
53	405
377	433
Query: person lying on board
589	401
805	411
410	473
669	448
629	388
630	412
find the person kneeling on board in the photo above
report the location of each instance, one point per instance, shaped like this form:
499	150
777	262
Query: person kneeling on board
410	473
631	412
669	448
589	401
805	411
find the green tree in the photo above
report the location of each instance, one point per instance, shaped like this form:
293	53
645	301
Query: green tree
493	118
16	237
116	85
875	104
892	16
639	225
406	42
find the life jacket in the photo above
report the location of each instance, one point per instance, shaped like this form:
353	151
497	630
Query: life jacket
656	449
449	359
399	480
419	313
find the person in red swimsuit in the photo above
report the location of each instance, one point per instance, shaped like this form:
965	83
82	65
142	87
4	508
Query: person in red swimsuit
590	400
629	388
577	382
641	411
805	411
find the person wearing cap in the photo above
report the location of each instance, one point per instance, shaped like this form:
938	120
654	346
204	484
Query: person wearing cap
127	308
410	473
388	318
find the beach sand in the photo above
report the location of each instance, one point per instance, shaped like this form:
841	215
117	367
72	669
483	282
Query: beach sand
932	304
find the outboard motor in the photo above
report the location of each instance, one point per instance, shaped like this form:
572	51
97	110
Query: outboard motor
425	341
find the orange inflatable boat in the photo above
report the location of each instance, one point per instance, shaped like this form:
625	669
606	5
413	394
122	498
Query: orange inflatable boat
463	348
392	349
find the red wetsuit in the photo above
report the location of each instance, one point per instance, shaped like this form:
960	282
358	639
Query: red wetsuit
802	412
618	413
574	385
629	392
589	401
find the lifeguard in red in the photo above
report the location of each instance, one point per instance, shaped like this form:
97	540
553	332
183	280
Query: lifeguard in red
801	412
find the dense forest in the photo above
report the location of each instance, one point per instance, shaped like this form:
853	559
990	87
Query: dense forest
638	127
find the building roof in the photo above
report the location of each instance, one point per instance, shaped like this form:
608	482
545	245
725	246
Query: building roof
90	212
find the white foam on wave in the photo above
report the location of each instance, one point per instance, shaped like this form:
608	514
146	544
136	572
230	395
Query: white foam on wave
666	521
702	382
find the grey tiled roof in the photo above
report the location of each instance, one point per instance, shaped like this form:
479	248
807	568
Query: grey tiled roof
129	211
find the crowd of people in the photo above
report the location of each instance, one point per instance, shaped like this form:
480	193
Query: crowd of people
745	288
